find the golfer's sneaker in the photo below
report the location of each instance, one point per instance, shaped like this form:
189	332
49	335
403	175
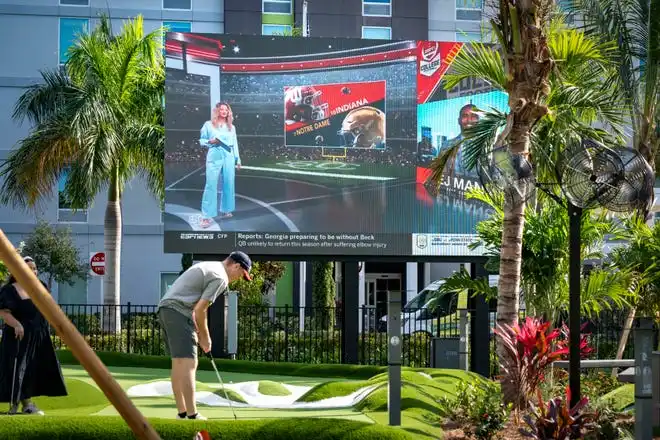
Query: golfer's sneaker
13	410
181	416
197	416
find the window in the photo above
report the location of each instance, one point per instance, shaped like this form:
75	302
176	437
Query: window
467	37
74	2
76	294
182	5
70	29
376	33
275	29
65	211
377	8
166	281
177	26
277	7
469	10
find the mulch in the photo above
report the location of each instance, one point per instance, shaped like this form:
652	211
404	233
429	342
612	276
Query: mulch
510	431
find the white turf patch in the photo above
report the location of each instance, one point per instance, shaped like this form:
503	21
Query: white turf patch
249	391
428	376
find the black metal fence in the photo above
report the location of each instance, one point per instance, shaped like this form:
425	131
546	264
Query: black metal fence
309	334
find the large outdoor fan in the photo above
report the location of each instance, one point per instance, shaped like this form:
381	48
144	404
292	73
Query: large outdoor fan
509	173
636	186
590	173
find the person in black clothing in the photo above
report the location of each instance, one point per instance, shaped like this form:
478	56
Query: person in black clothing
28	364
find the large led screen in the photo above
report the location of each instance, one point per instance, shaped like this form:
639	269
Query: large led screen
316	146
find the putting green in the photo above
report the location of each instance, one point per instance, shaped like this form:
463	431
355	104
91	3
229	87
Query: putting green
419	396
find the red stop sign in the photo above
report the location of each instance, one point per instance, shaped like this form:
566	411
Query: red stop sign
97	263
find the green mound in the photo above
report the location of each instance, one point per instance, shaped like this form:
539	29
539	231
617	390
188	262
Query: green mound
444	382
620	398
270	388
412	397
328	390
114	428
82	397
231	395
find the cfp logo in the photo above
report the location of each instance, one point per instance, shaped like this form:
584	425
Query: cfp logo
422	241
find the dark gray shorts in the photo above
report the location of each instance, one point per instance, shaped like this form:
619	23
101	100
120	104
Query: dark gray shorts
179	332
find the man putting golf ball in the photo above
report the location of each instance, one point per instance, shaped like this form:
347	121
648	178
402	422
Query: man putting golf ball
182	313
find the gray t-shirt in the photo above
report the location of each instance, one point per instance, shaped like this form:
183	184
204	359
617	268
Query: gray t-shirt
204	280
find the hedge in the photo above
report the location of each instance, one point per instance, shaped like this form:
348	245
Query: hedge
112	359
114	428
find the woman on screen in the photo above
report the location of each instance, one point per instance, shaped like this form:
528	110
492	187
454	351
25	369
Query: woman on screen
219	136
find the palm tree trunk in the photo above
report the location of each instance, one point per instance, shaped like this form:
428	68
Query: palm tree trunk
112	237
528	65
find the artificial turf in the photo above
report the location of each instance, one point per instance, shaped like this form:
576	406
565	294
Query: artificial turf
114	428
420	392
272	388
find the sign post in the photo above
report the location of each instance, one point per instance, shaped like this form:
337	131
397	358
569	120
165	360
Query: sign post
394	356
97	267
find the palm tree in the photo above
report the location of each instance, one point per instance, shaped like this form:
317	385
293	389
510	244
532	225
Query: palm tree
100	119
558	83
635	26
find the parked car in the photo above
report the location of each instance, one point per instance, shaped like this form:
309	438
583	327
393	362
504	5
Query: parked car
435	313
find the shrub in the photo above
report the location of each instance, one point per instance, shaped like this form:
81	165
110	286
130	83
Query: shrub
114	428
556	421
593	384
530	350
477	409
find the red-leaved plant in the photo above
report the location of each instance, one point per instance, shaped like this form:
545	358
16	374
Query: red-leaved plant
556	421
531	347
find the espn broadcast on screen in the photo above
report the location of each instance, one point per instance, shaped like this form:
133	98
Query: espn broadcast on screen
317	146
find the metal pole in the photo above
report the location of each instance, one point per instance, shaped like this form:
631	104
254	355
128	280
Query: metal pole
394	357
643	335
575	263
305	29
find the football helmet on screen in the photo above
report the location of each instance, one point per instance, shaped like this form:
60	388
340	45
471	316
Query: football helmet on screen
304	104
363	127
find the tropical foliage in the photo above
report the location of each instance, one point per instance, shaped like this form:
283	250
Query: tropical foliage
99	121
558	83
544	269
635	28
641	258
531	349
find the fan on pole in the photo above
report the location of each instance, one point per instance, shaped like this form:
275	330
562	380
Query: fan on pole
590	175
512	174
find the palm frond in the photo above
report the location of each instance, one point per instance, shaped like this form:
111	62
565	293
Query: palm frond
605	290
41	101
477	60
462	281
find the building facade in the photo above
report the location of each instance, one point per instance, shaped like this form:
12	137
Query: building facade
39	34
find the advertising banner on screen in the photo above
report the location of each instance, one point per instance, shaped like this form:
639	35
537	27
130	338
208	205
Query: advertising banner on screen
316	147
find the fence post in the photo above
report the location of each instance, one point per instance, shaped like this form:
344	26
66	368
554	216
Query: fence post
286	333
655	368
128	327
643	334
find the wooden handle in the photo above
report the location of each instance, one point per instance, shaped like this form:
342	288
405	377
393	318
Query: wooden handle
74	340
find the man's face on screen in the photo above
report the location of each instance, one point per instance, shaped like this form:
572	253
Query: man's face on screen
467	118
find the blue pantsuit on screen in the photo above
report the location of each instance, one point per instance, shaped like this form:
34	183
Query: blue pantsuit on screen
221	159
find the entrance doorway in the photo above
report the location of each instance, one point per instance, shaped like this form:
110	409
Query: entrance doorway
377	286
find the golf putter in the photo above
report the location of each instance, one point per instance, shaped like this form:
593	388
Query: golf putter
13	378
217	373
